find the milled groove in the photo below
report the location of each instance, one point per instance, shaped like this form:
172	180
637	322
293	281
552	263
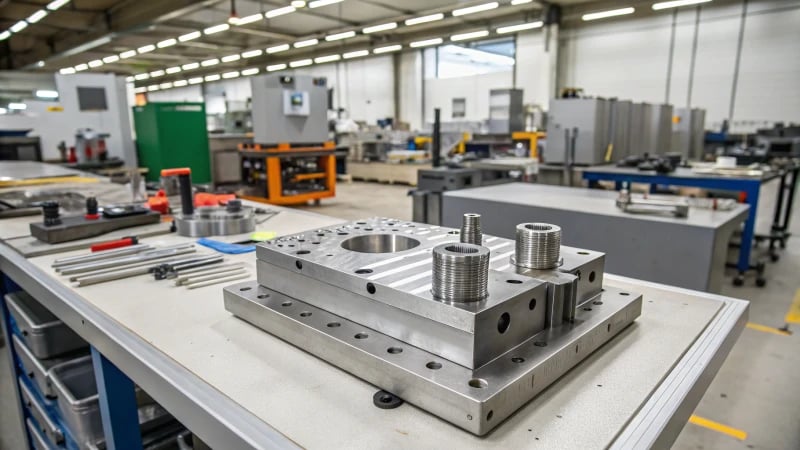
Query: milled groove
538	245
460	272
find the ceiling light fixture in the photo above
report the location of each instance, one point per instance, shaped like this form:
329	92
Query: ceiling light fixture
19	26
111	59
171	70
81	67
306	43
298	3
387	49
214	77
146	48
231	58
381	27
319	3
17	106
426	43
197	80
252	53
5	35
475	9
248	72
327	59
140	90
127	54
156	73
190	66
44	93
217	28
166	85
355	54
180	83
520	27
275	67
37	16
340	36
249	19
141	76
152	88
300	63
520	2
278	48
424	19
609	13
166	43
210	62
95	63
470	35
229	75
55	4
665	5
67	71
280	12
189	36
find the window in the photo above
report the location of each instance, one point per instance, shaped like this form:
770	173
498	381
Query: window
92	99
475	58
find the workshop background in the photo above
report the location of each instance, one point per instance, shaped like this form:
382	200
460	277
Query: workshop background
215	147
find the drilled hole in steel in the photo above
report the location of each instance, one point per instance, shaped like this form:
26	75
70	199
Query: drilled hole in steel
503	322
299	265
532	304
286	304
587	309
583	253
514	281
244	289
334	325
394	350
263	296
433	365
517	360
624	293
458	248
305	314
608	328
490	415
370	288
597	302
591	277
363	271
540	344
361	336
302	252
478	383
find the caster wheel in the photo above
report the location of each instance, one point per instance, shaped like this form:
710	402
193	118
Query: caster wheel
761	282
774	257
738	280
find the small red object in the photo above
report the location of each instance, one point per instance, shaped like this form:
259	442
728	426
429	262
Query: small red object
177	171
92	216
73	158
124	242
206	199
159	202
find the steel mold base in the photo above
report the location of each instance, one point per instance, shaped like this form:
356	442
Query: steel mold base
476	401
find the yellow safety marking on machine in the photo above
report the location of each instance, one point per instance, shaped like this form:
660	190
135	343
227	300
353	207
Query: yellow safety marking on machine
51	180
766	329
718	427
793	316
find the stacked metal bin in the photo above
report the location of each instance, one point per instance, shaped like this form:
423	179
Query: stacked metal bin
56	379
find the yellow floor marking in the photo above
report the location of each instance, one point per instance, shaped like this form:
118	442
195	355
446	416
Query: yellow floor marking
766	329
793	316
718	427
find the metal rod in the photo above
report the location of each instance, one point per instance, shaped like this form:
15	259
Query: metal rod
101	255
118	275
437	139
123	261
165	260
219	280
200	270
213	276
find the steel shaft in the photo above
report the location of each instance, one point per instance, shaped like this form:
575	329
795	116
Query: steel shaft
471	229
538	245
460	272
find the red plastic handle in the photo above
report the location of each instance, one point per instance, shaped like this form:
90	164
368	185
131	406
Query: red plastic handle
124	242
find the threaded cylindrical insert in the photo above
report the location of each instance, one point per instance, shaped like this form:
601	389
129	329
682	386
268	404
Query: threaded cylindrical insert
460	272
538	245
471	229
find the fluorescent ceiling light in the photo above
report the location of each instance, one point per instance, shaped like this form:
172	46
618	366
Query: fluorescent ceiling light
520	2
197	80
140	90
44	93
355	54
165	85
217	28
280	12
5	35
111	59
387	49
40	64
275	67
231	58
67	71
167	43
146	48
327	59
318	3
381	27
426	43
141	76
156	73
339	36
228	75
17	106
152	87
129	79
470	35
214	77
249	19
3	111
171	70
95	63
306	43
300	63
475	9
180	83
278	48
190	66
520	27
37	16
248	72
55	4
424	19
19	26
81	67
609	13
210	62
665	5
298	3
127	54
251	53
189	36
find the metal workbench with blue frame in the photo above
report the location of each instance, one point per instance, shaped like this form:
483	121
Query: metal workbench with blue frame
748	185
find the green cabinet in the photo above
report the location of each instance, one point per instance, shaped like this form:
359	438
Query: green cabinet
172	135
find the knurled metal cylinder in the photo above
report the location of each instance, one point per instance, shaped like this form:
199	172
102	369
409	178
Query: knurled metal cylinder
538	245
471	229
460	272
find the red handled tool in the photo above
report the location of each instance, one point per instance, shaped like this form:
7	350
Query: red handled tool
117	243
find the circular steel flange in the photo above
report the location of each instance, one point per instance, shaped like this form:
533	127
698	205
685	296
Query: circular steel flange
460	272
538	246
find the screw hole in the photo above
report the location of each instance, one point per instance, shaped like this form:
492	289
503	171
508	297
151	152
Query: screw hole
244	289
583	253
334	325
540	344
517	360
490	415
394	350
514	281
299	265
305	314
363	271
591	277
315	243
608	328
478	383
624	293
433	365
597	302
342	233
370	288
361	336
503	322
286	304
302	252
263	296
587	309
385	398
532	304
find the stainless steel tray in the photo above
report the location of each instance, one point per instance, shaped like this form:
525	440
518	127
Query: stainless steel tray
37	369
78	401
46	425
44	334
38	441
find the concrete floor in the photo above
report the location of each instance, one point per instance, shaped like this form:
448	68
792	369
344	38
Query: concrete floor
756	390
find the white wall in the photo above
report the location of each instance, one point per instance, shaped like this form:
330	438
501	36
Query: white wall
411	83
439	93
535	67
629	58
193	93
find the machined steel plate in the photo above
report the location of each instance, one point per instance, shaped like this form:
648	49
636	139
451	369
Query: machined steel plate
475	400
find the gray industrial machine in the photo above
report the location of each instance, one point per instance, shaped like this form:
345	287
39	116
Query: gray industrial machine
656	129
688	132
289	109
578	131
620	128
505	111
465	326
